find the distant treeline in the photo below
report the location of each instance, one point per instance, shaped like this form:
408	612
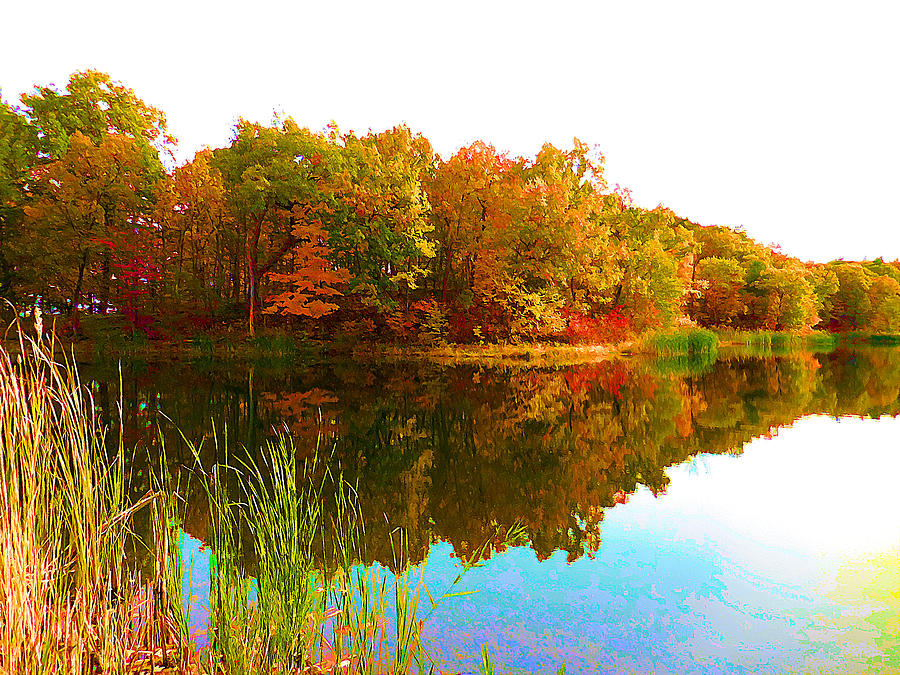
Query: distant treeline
374	235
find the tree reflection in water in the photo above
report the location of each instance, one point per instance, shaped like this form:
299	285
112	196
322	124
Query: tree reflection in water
460	454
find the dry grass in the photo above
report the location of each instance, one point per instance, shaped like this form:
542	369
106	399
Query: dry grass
69	603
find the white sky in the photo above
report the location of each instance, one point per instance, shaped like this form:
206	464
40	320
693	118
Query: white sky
781	117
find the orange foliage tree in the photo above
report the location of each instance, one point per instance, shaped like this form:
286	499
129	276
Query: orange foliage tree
311	277
84	201
277	181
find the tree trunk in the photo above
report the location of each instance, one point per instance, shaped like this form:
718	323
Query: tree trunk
76	294
252	254
104	287
251	289
446	273
235	275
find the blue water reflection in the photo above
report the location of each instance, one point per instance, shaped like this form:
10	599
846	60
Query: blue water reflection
195	587
761	563
706	579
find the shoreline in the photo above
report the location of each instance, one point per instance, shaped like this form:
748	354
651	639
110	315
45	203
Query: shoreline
284	346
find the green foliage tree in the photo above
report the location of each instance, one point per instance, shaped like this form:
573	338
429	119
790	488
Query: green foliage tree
851	306
94	105
825	285
277	182
653	244
382	233
784	299
884	301
18	140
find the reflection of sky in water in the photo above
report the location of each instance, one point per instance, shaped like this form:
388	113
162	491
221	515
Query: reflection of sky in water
786	559
195	587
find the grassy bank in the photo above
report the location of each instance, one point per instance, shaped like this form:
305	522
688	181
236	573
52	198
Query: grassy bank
71	602
779	340
680	341
501	355
103	340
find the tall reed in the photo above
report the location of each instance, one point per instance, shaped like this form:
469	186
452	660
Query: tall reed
312	606
682	341
68	602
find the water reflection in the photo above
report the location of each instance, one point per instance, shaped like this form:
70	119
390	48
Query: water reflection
456	453
782	559
732	570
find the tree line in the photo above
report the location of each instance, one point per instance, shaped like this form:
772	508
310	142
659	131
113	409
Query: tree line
373	234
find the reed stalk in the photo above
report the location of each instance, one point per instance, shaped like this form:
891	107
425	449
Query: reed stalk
69	602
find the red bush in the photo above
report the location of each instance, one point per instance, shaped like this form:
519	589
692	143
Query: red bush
585	329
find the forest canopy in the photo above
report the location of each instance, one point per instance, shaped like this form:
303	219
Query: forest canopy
373	235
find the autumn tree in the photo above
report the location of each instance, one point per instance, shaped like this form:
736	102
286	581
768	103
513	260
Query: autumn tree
720	285
84	202
311	279
91	154
740	283
520	239
18	140
561	249
381	235
278	184
303	223
204	248
785	296
468	196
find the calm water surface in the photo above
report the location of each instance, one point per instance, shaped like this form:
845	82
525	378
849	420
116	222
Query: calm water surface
737	516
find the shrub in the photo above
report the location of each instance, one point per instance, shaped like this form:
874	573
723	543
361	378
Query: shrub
586	329
683	341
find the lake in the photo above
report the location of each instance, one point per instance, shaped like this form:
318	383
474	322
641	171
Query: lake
740	515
